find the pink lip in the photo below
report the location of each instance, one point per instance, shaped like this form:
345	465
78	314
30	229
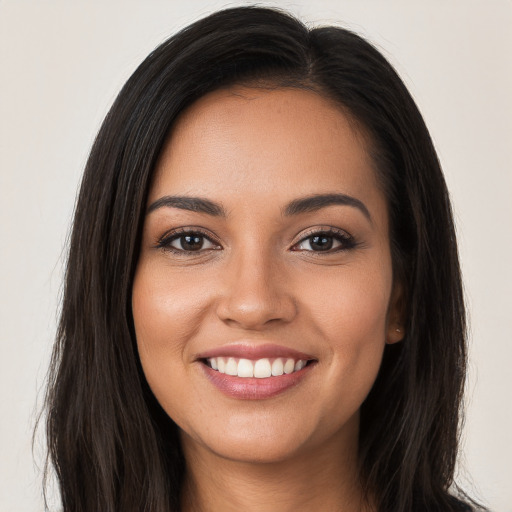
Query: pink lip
251	351
253	388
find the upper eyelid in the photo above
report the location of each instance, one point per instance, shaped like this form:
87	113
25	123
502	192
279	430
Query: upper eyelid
325	229
206	233
172	233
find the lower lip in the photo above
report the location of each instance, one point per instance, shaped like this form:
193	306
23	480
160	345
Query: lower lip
251	388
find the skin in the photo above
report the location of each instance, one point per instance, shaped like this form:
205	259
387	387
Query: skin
260	278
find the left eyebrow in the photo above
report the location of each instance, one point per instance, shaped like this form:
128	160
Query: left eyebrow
318	201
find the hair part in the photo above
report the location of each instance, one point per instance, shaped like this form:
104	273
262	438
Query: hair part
111	444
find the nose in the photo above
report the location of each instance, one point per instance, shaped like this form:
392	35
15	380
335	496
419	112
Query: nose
255	292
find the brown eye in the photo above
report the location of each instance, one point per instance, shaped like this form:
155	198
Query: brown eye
321	242
326	241
186	242
192	242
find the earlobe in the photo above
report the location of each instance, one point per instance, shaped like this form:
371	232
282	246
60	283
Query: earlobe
395	334
396	315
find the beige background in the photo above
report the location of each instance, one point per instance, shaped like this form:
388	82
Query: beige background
61	65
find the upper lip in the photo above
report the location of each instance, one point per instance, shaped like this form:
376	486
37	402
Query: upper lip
249	350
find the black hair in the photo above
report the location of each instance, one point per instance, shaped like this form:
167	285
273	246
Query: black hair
111	444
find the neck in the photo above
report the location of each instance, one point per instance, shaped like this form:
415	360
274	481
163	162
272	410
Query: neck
314	479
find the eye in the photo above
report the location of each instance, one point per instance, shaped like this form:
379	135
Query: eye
329	240
186	241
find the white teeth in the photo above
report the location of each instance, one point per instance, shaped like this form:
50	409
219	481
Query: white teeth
299	365
231	367
289	366
277	367
261	369
245	368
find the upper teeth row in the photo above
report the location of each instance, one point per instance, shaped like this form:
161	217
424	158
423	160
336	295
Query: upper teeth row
260	369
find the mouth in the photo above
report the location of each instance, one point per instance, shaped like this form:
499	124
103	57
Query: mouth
255	372
258	368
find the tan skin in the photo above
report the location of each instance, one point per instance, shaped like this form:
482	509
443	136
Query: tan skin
257	275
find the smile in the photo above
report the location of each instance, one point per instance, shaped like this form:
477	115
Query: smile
248	371
260	368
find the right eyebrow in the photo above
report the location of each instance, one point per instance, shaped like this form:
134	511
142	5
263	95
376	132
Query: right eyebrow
193	204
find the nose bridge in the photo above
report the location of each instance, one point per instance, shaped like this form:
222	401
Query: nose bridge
255	289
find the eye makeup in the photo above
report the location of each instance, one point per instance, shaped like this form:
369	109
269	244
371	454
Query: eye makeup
326	240
187	236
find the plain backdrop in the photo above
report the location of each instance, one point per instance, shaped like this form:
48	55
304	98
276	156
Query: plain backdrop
62	64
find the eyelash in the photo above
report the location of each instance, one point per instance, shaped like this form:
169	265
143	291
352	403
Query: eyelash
165	241
347	241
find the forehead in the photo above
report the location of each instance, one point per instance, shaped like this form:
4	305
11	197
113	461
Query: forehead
265	144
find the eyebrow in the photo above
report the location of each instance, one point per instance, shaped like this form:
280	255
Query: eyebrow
296	207
318	201
193	204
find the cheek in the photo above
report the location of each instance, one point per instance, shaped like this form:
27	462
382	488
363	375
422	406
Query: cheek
348	310
350	303
165	317
165	312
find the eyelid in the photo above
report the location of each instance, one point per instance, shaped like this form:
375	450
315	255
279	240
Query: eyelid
324	229
346	240
164	241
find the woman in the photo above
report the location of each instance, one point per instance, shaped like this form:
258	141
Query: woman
263	307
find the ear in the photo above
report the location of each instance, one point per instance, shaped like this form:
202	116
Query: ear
396	315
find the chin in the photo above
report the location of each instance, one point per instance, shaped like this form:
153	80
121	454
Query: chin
253	448
254	440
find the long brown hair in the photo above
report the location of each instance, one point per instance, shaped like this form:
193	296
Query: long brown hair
112	446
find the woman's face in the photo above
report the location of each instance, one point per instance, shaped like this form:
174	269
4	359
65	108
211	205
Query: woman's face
265	244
